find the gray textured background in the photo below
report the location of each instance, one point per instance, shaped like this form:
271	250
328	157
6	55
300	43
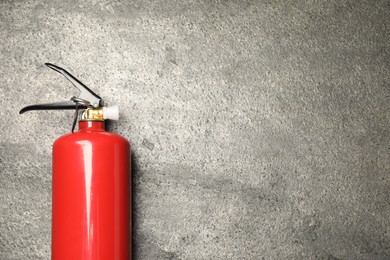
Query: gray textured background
259	129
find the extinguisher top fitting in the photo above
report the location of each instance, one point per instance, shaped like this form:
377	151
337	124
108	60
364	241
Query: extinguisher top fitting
90	102
100	114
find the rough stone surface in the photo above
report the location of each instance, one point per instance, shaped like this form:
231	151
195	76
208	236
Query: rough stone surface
259	129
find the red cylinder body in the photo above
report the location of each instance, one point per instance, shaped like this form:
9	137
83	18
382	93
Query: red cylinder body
91	195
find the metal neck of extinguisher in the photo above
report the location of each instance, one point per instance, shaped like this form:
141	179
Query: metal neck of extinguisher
88	105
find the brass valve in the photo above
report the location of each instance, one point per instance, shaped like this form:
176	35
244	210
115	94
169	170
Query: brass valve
92	114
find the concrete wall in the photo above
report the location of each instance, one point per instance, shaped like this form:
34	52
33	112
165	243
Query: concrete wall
259	129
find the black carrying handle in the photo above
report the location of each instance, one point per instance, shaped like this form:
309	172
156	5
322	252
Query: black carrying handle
67	105
87	97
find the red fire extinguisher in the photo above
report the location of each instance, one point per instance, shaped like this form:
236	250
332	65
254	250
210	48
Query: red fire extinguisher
91	183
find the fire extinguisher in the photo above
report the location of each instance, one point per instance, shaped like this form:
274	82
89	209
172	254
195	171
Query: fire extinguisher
90	182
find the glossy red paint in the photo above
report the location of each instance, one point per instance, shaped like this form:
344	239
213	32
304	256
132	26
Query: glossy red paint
91	195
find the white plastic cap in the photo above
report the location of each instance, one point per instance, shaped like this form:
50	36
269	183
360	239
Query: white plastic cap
111	113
